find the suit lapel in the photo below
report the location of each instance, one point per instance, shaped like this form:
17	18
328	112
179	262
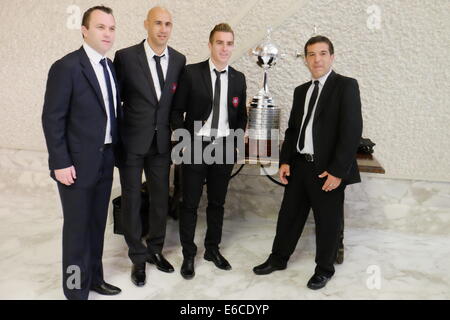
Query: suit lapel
89	73
302	100
142	57
206	75
326	91
170	75
231	82
118	101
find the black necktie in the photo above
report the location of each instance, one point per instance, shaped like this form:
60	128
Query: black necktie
112	113
159	71
216	104
312	102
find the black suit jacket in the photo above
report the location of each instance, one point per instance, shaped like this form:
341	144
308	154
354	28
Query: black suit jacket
337	127
194	97
142	111
74	116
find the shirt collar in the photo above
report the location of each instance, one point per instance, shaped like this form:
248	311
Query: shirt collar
212	66
151	53
93	55
323	78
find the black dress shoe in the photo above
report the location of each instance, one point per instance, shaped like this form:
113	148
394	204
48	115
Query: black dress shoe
267	268
161	263
217	258
138	274
317	282
187	268
106	289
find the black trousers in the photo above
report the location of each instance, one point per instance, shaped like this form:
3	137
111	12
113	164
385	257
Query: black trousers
303	192
156	167
85	211
217	177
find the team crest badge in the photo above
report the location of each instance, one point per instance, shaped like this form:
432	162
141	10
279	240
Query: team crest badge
235	101
174	87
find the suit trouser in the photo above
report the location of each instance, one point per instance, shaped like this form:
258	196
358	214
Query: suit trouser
217	177
156	167
85	211
303	192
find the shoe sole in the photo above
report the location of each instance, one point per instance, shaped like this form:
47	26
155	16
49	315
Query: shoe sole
212	260
106	294
161	269
139	284
316	288
265	273
188	277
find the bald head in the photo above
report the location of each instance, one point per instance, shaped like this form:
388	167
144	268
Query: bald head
156	11
159	28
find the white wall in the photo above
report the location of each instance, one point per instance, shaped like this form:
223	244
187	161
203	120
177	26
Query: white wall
400	59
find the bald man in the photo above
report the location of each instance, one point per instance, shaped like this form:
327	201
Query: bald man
148	77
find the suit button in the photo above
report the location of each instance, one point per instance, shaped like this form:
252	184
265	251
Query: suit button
101	149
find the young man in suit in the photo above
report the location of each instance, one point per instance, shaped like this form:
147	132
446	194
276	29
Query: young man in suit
212	95
148	76
318	160
79	121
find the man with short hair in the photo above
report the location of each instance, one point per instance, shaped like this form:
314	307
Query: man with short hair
212	95
318	160
148	76
79	121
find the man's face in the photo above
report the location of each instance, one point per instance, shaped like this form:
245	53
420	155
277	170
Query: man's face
318	59
159	26
101	32
221	47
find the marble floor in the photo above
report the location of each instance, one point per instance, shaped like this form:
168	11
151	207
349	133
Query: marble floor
397	242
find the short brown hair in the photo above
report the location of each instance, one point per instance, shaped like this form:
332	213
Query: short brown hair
221	27
318	39
87	14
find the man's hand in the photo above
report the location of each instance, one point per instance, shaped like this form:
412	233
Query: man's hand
285	170
331	183
66	176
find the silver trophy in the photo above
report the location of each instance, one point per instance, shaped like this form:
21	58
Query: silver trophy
264	116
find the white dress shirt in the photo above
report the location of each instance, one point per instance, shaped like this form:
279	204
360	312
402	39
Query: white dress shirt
94	58
223	129
309	146
152	65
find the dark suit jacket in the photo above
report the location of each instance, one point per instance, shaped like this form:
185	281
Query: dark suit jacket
194	97
74	116
142	111
337	127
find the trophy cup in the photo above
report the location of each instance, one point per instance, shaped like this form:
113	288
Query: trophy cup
264	116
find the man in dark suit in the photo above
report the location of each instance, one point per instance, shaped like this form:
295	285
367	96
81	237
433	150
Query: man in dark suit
148	76
213	96
79	121
318	160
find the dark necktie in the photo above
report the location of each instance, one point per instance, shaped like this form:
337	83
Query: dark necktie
216	104
159	71
312	102
112	113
